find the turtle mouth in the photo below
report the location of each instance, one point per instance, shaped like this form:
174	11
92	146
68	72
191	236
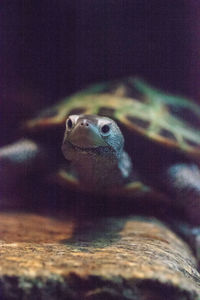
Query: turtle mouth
96	149
77	147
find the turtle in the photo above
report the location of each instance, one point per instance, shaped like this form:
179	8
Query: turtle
122	137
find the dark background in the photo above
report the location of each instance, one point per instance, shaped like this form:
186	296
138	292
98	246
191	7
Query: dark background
51	48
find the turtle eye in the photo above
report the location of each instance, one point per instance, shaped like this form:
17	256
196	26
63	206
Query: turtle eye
69	123
105	129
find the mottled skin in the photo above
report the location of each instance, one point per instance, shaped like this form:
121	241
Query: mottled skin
97	157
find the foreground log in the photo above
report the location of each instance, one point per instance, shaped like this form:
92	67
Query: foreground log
112	258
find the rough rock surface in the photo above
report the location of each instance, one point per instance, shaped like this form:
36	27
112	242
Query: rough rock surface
44	257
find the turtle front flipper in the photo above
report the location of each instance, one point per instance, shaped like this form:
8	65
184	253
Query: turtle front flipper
17	161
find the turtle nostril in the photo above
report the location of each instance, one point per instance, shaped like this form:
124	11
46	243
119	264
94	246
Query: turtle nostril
84	124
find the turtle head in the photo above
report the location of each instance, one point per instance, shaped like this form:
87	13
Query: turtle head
92	134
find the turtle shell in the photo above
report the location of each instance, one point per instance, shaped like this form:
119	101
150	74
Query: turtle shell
169	120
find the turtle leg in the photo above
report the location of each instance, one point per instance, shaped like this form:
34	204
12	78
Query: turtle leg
183	181
17	161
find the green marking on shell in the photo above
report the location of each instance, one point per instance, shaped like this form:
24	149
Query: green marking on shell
154	112
159	96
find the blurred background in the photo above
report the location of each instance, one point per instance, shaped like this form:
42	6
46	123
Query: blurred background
52	48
